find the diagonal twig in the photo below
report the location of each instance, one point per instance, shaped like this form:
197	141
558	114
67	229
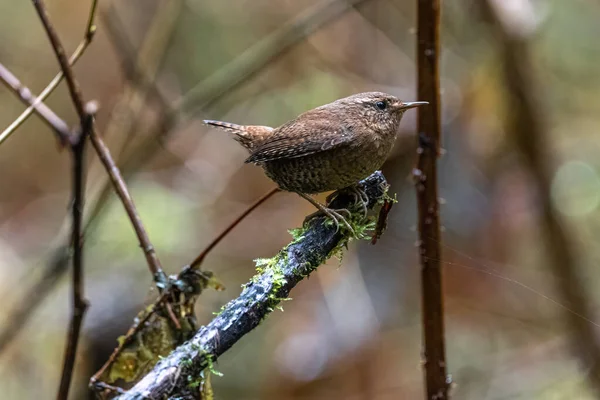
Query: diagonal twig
121	188
198	260
61	55
425	174
48	116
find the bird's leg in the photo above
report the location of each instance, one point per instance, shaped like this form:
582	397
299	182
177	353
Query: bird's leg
360	198
359	195
335	215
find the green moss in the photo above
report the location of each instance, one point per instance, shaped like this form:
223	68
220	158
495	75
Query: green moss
156	339
187	362
223	307
199	381
361	226
278	278
297	234
387	198
362	230
211	366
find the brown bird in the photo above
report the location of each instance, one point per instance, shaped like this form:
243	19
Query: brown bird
328	148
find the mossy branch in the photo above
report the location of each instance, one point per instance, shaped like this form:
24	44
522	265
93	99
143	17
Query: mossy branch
276	278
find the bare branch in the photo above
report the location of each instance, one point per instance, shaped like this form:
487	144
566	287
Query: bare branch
80	305
425	174
198	260
61	55
48	116
121	188
256	301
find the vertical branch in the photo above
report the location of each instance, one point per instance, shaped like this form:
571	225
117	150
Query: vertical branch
428	15
526	124
80	305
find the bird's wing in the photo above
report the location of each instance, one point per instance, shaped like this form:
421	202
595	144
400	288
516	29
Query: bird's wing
303	137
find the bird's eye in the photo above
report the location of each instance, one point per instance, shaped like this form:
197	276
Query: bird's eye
381	105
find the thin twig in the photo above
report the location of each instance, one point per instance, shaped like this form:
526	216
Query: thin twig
527	127
87	39
48	116
131	333
198	260
61	55
109	388
259	297
425	174
115	176
80	305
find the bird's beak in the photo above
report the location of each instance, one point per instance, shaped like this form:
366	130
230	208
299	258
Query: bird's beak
411	104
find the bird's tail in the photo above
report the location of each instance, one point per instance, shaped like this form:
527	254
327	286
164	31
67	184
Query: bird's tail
248	135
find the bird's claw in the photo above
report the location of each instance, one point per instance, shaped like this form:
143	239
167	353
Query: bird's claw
358	194
361	198
336	216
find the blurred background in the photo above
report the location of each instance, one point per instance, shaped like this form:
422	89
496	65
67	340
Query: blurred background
352	331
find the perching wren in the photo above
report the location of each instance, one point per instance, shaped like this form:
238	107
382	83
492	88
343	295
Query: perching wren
328	148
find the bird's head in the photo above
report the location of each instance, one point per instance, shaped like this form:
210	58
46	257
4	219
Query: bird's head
381	110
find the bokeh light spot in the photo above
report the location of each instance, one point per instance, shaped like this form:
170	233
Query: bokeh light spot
576	189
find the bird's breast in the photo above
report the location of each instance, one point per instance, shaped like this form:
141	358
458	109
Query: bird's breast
329	170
